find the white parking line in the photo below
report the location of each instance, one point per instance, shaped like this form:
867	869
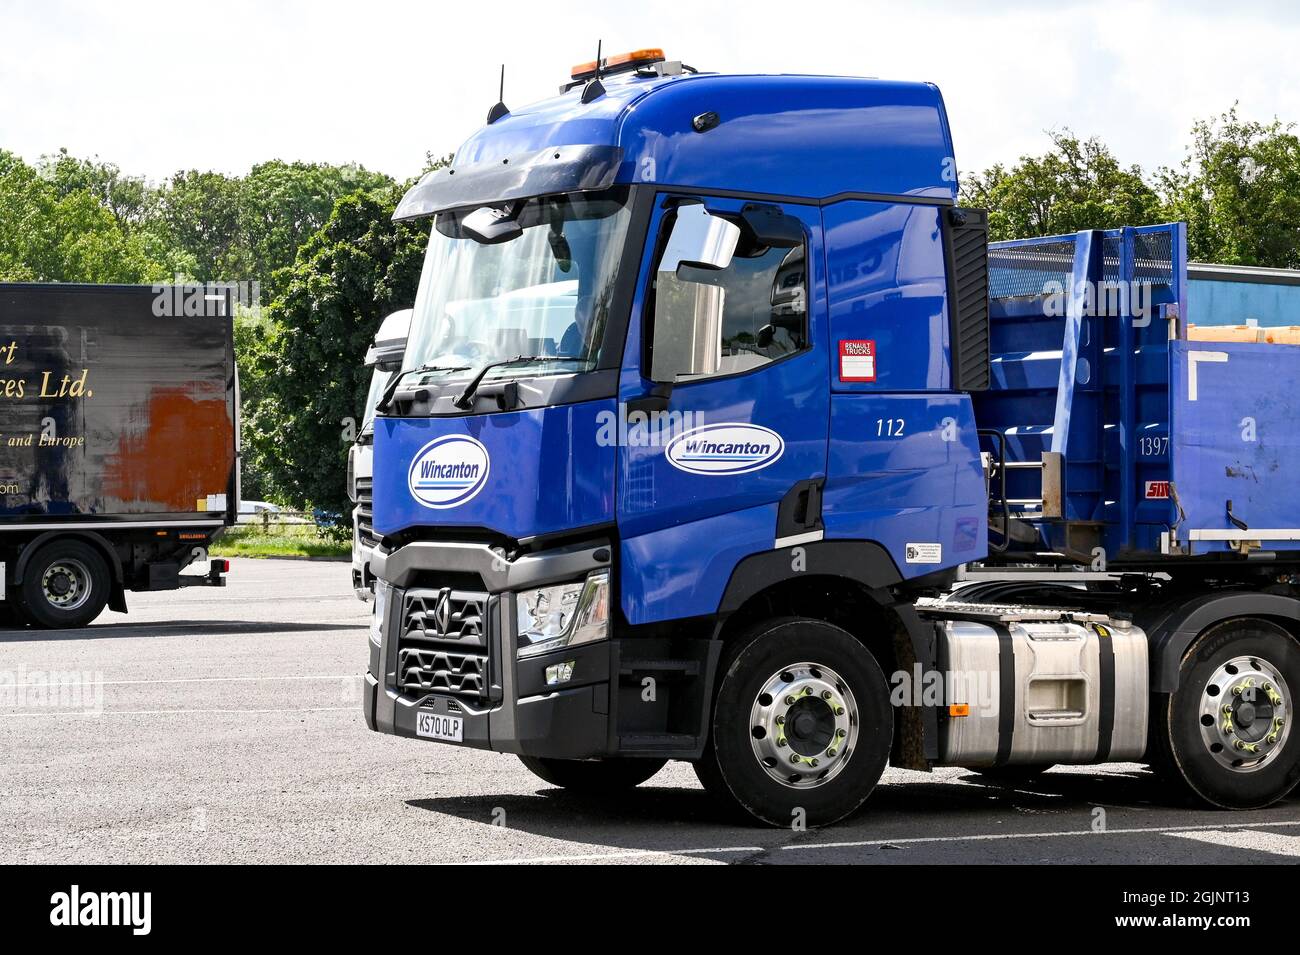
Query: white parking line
84	714
1250	839
199	679
985	837
978	837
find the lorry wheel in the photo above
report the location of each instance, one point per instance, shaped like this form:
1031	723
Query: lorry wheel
1226	731
593	775
65	585
802	725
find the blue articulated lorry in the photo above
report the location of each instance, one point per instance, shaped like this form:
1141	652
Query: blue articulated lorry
724	435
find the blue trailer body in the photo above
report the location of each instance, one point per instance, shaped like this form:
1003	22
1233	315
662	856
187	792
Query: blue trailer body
1090	363
1234	408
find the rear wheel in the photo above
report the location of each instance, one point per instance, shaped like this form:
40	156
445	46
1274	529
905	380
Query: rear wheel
1226	731
593	775
801	727
65	585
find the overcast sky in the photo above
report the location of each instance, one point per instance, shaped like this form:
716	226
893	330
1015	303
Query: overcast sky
156	87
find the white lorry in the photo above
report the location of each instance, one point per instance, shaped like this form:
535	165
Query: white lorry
384	357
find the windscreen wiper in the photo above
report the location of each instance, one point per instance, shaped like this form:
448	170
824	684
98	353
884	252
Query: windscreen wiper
382	404
466	399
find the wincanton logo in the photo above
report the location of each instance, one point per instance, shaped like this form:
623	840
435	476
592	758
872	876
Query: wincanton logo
448	471
728	448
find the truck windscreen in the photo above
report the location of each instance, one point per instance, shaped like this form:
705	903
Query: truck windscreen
544	290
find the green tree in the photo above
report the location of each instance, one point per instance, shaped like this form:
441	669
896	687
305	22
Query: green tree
282	204
128	198
307	358
198	214
1078	184
1239	191
54	234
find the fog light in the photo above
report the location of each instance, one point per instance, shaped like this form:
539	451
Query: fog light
559	673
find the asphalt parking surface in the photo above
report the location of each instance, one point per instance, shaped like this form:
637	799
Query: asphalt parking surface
226	726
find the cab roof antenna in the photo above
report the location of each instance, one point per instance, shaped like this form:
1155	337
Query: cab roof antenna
500	109
594	87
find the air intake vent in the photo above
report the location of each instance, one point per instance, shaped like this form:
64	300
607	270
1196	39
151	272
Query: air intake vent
966	246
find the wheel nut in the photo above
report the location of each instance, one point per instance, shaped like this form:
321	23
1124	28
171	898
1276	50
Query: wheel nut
826	694
839	711
789	701
832	752
780	721
780	741
794	757
841	733
813	761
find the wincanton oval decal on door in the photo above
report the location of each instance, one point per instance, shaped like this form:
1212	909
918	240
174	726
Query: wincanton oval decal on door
448	471
728	448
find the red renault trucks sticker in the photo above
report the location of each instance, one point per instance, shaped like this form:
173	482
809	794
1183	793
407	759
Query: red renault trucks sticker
857	360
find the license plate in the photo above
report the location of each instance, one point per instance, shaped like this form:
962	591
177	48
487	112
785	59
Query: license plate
438	726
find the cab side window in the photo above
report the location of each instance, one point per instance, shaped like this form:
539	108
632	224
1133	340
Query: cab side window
730	294
764	312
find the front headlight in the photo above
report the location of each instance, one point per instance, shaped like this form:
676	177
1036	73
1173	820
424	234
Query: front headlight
563	616
377	612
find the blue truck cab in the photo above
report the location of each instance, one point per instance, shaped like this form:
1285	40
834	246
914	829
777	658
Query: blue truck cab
709	395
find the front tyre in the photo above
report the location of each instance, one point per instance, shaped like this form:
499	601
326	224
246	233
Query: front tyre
1226	731
593	775
65	585
802	725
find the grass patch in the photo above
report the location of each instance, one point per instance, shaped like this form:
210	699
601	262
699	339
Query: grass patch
288	541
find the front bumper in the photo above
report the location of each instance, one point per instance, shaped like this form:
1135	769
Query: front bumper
470	669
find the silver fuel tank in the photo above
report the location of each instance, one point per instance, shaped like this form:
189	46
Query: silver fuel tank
1039	686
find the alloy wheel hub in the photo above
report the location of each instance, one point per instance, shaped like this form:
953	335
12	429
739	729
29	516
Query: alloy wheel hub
803	725
1245	714
66	585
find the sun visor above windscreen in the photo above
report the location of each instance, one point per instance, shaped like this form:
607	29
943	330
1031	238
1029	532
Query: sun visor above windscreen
558	169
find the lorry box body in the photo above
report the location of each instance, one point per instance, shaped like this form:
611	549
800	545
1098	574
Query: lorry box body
711	395
119	421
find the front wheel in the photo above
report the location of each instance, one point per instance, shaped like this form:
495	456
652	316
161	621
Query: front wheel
65	585
802	725
593	775
1226	731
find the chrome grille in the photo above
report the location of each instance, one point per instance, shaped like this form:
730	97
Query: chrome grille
442	646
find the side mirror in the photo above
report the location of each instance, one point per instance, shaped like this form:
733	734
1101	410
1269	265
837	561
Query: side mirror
687	329
699	239
771	227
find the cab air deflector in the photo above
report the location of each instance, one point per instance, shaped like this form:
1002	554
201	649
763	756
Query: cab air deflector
557	169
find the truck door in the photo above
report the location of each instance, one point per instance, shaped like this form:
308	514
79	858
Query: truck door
723	399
